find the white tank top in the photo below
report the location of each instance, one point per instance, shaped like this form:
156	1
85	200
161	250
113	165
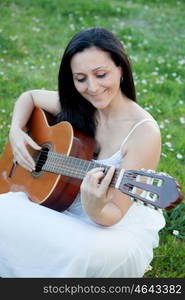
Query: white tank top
116	158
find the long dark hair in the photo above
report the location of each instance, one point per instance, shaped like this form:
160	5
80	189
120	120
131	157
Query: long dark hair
75	108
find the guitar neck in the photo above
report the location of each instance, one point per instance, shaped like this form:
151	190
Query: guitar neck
161	191
73	167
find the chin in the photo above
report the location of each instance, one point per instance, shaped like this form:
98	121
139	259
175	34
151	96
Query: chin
100	105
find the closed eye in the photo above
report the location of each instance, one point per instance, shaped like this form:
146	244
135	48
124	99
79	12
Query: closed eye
84	78
101	75
80	80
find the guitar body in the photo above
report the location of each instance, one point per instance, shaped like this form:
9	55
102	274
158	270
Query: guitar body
48	189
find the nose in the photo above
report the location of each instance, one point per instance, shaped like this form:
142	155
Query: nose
92	85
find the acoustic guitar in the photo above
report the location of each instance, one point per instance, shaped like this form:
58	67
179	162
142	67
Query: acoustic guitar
65	158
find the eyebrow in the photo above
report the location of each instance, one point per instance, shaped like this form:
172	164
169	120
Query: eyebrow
95	69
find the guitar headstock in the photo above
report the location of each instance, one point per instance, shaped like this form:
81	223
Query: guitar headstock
152	188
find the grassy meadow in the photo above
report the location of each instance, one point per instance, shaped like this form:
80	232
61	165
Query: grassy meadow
33	35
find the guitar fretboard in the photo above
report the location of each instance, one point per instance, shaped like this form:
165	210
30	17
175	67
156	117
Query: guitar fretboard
73	167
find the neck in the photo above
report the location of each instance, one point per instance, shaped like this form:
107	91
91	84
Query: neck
71	166
114	110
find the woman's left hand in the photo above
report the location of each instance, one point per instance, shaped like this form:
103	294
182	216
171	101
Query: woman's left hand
94	189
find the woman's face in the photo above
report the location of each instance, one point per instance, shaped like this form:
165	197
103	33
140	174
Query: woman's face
96	77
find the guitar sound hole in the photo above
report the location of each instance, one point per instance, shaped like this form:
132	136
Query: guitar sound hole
41	159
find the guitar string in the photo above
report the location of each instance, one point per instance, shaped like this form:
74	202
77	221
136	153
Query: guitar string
70	163
54	158
71	167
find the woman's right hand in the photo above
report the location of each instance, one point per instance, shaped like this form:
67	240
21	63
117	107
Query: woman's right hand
19	141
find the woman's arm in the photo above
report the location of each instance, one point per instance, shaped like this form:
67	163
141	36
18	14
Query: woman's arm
106	206
47	100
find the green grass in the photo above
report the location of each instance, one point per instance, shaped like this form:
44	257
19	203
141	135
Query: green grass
33	35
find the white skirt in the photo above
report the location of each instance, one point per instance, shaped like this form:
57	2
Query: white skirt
36	241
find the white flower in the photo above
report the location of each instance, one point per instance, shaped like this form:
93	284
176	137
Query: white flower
181	62
13	38
182	120
181	102
36	29
72	26
179	156
149	268
175	232
168	136
35	20
178	79
168	144
155	73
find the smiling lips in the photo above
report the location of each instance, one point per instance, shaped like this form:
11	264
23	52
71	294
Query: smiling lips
96	95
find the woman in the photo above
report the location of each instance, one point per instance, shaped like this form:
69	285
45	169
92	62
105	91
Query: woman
103	233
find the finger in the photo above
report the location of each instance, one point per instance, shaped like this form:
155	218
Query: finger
23	164
32	143
93	178
105	183
24	159
96	178
95	170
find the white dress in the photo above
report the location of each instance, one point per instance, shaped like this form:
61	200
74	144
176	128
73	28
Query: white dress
36	241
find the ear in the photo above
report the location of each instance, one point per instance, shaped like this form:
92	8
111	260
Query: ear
121	72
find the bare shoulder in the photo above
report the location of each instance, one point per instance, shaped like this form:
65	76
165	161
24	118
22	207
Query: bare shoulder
47	100
143	148
147	131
